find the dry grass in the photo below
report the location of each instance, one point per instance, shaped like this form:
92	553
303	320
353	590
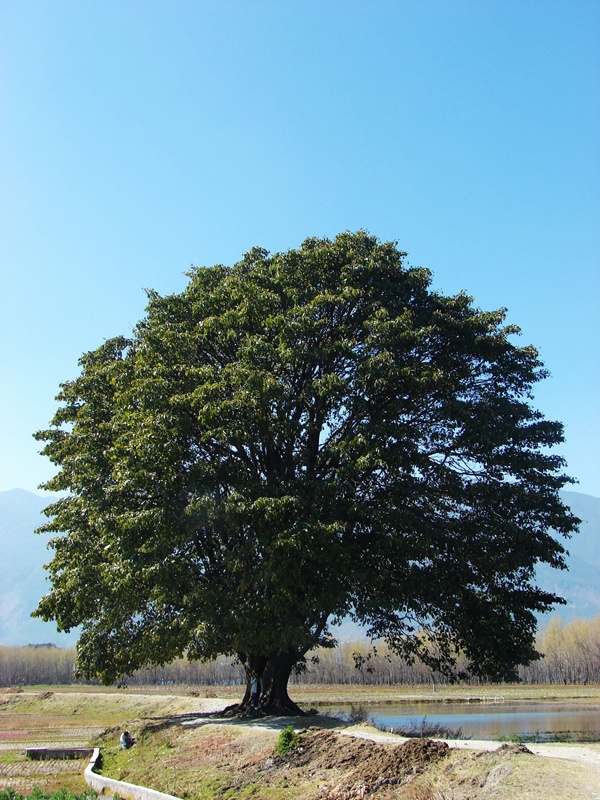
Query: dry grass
45	718
206	760
307	694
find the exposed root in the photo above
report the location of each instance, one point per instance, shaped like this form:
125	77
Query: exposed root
248	711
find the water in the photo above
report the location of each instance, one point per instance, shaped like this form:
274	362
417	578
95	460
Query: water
485	720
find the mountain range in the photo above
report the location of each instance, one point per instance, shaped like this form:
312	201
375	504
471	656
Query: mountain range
23	579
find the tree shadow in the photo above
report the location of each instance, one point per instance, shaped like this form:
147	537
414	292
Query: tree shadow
258	719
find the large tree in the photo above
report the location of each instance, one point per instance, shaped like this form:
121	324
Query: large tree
295	439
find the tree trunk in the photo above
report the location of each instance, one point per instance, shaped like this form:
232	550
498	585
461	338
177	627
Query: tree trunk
275	697
271	675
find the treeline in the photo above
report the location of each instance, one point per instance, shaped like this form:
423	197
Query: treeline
571	655
36	664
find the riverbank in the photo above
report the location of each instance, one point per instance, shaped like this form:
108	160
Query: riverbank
317	695
184	749
206	756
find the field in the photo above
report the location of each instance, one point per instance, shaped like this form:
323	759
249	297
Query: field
183	750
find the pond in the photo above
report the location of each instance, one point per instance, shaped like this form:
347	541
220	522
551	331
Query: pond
483	720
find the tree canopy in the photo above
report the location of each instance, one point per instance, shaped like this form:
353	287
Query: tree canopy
298	438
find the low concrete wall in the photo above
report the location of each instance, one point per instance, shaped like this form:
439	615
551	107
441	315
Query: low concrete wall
129	791
46	753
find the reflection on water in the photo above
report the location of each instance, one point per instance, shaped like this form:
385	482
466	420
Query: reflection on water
483	720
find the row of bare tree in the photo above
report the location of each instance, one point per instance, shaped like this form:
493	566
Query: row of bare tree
571	655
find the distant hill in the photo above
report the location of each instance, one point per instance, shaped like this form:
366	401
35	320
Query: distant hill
580	585
23	580
22	576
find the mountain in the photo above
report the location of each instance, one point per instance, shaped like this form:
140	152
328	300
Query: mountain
22	576
23	580
580	585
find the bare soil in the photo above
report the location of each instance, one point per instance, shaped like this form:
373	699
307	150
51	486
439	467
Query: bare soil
331	766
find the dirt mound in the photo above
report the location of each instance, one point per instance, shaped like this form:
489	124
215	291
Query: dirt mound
357	768
324	749
387	766
516	748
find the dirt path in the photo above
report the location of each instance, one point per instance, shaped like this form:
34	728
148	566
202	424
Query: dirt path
588	755
580	753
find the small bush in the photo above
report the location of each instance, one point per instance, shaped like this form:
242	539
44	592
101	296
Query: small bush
287	741
358	714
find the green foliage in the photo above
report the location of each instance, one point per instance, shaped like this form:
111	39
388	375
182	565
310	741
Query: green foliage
287	741
294	439
40	794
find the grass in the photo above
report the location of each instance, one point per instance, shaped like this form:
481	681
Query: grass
40	794
198	764
11	757
307	695
89	708
177	751
556	737
168	753
43	716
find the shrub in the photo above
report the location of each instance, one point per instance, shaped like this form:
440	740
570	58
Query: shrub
287	741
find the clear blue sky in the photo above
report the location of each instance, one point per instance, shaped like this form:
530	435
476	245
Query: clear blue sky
138	138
